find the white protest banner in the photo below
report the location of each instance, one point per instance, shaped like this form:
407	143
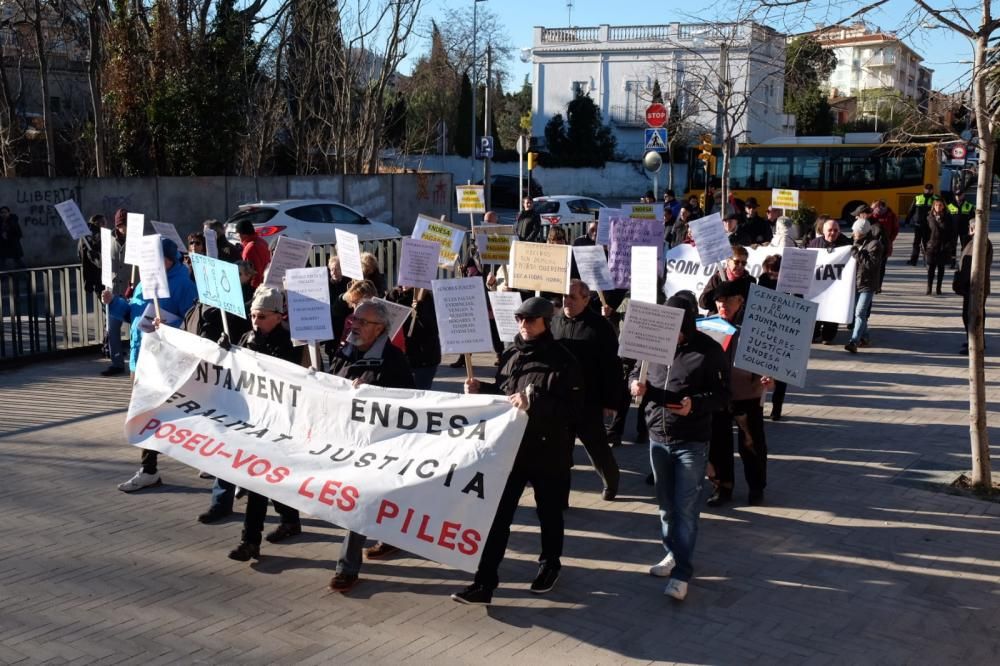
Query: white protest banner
168	230
776	335
644	274
604	216
493	242
785	199
152	272
684	271
134	229
798	270
218	284
626	233
107	243
504	304
397	315
471	198
463	322
289	254
418	469
711	239
211	242
308	293
349	253
448	236
592	264
418	264
71	216
540	267
641	211
650	332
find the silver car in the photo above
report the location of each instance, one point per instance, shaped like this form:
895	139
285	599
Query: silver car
314	220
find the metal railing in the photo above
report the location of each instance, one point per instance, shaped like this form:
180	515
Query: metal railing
627	116
48	310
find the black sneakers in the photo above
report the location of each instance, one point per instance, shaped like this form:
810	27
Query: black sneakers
545	580
112	371
245	551
213	515
284	531
474	595
720	497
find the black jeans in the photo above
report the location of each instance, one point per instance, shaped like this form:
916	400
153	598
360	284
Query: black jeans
253	520
931	268
749	418
825	331
550	493
590	430
148	458
778	397
919	239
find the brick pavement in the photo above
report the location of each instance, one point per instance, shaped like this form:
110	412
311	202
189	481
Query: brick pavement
854	558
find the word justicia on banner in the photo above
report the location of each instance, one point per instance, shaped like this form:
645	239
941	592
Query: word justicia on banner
418	469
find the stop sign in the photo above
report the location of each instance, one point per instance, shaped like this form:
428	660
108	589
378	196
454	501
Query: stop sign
656	115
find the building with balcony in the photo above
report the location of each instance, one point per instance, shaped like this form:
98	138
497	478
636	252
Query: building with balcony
618	67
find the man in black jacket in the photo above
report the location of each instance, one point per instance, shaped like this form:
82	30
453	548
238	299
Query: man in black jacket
826	331
683	397
539	376
529	223
367	358
756	229
591	339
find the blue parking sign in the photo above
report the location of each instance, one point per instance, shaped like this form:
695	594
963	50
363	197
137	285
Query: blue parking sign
485	148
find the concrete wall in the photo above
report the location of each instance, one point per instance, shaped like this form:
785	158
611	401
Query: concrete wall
187	202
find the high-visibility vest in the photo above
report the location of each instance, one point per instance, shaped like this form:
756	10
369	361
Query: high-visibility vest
925	200
966	208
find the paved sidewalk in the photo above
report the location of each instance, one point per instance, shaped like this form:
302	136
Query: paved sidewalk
853	559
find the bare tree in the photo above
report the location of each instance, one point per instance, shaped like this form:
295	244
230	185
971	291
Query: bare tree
11	94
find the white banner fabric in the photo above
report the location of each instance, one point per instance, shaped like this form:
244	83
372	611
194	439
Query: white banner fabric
421	470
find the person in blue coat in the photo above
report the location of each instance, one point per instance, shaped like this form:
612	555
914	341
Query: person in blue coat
183	295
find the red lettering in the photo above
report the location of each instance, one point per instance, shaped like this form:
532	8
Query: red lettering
277	475
240	461
255	467
305	484
152	425
348	498
329	491
169	427
180	436
406	523
386	510
205	451
193	441
449	531
422	532
470	542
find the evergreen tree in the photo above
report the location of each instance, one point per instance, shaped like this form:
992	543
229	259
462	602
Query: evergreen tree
657	95
807	65
431	93
582	140
462	135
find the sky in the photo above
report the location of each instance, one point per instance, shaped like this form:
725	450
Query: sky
942	49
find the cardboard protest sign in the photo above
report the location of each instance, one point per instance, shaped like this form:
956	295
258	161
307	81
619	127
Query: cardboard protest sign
168	230
71	216
134	229
776	335
711	239
604	216
644	274
211	242
504	304
448	236
349	253
289	254
625	233
418	263
650	332
463	322
218	284
592	264
493	242
784	198
540	267
471	198
107	243
398	314
418	469
641	211
152	272
798	269
308	293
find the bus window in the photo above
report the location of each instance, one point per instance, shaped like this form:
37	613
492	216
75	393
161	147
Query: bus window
739	172
852	170
808	172
902	170
770	171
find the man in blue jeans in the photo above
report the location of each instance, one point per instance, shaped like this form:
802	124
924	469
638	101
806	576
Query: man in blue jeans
867	252
681	400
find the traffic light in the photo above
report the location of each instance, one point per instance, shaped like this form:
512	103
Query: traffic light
706	149
532	158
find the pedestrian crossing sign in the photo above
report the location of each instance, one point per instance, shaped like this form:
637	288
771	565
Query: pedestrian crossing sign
656	139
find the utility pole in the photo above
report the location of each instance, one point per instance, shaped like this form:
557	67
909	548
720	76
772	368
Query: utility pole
486	127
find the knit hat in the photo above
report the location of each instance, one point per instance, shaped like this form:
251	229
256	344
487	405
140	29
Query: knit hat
121	216
729	288
269	299
861	227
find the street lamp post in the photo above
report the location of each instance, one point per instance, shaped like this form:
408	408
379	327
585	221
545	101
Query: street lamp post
475	85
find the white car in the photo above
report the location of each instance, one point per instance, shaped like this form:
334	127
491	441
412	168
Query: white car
314	220
562	208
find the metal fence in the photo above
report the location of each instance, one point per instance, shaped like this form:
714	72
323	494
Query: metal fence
48	310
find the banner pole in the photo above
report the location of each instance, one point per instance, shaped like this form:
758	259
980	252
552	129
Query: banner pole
314	356
468	366
417	295
156	305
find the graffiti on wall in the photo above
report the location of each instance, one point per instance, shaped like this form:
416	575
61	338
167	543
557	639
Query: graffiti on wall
36	206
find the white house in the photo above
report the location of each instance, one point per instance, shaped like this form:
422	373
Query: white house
619	65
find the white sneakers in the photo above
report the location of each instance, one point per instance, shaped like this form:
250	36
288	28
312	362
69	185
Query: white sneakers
139	481
664	567
678	589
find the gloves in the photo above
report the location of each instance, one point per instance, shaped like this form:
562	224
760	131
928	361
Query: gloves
224	342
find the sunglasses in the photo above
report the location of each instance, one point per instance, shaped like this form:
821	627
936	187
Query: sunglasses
519	318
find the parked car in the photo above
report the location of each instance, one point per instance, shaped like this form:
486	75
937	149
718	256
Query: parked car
561	208
504	191
314	220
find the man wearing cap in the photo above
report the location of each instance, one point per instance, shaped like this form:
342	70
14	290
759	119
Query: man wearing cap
367	358
271	337
183	294
682	398
756	229
592	340
538	375
255	250
867	252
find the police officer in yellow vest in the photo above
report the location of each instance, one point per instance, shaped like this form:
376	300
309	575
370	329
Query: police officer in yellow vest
961	212
918	218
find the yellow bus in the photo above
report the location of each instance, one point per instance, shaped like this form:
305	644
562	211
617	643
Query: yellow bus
832	178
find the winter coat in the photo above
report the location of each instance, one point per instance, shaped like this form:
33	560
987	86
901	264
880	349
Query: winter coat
529	226
89	249
592	341
382	365
868	253
423	347
940	246
963	277
756	230
257	253
10	238
707	302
